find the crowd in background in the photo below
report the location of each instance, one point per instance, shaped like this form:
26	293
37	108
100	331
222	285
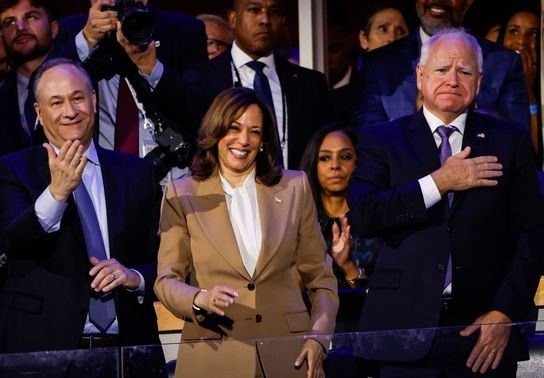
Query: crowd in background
173	95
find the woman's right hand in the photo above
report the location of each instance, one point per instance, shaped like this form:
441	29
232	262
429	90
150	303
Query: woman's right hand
341	241
216	300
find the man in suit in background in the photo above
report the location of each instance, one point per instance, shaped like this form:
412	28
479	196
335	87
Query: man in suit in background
453	194
79	223
299	96
159	73
28	29
386	87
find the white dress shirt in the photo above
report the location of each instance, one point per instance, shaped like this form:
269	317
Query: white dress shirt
107	102
49	212
244	218
247	75
430	192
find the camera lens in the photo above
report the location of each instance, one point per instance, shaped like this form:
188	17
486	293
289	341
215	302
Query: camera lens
137	25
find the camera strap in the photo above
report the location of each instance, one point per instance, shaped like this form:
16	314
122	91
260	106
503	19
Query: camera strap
148	123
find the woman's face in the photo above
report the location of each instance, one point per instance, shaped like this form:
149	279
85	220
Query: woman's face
335	163
238	149
386	26
521	32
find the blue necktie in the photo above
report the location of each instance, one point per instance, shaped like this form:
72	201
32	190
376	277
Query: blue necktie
261	85
101	306
445	152
260	82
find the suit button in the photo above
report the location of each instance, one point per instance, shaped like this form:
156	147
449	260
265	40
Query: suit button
251	286
258	318
451	229
457	268
441	267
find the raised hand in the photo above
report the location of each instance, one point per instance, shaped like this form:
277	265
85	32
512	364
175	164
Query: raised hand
99	23
66	168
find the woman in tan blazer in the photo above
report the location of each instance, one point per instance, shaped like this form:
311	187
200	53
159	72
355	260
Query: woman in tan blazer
233	237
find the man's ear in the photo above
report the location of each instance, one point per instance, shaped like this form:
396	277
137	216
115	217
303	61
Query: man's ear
231	18
419	75
363	40
54	29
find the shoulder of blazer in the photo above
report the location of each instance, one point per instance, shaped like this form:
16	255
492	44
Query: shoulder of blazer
288	69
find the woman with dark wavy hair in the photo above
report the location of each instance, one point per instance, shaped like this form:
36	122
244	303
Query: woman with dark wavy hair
234	236
329	161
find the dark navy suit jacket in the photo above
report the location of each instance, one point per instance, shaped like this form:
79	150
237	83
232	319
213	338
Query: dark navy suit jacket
386	85
182	50
306	97
494	234
12	135
45	299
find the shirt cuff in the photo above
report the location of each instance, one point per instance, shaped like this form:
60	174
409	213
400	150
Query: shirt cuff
49	211
155	76
140	289
429	190
83	49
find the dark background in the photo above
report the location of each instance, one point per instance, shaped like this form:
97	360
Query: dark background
480	16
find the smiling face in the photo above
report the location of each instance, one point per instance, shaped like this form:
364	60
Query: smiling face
449	79
386	26
257	25
27	31
335	163
522	32
238	149
65	105
435	15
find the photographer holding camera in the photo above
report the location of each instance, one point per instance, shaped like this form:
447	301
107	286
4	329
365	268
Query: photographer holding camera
144	65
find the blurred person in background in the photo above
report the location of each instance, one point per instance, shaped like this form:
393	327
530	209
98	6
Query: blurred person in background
521	33
383	23
219	33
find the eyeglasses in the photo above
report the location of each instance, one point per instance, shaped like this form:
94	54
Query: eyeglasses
216	44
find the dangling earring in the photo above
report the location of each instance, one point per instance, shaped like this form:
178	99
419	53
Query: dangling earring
261	149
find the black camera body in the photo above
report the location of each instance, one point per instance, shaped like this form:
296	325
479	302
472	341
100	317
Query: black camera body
172	151
137	22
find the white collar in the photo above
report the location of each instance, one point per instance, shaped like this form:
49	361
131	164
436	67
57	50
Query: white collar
249	182
240	58
434	121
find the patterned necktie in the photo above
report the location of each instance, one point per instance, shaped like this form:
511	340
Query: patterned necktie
101	305
127	121
445	152
260	82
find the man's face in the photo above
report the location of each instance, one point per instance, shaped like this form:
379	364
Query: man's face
435	15
449	80
27	32
65	105
257	25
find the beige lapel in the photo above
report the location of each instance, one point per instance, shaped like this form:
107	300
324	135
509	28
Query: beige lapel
274	205
210	209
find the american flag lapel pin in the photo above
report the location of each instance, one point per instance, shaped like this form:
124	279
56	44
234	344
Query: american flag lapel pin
278	200
480	135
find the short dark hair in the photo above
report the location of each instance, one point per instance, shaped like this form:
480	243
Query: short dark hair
310	157
48	64
225	109
48	5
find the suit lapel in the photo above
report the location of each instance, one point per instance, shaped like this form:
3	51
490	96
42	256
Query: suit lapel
274	206
114	189
476	137
210	209
420	137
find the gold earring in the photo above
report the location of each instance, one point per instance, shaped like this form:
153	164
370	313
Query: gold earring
261	149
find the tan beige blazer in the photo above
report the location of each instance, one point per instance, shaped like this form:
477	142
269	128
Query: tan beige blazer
198	244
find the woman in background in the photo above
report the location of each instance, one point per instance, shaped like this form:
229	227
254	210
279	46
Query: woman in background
329	160
234	237
521	33
383	23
